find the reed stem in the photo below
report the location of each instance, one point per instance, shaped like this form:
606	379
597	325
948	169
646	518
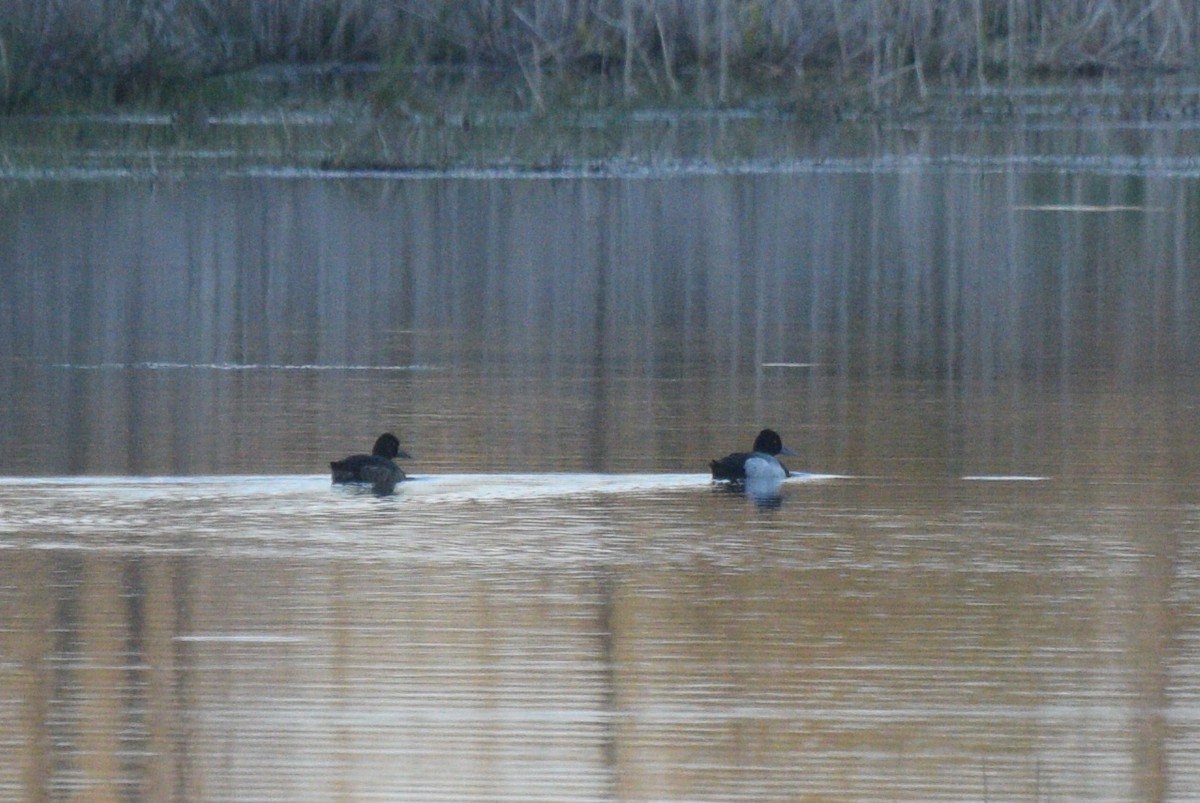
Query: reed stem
133	49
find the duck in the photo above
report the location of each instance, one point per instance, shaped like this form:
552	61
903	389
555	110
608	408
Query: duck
760	464
376	468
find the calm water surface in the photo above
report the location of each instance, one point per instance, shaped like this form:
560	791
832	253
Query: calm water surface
984	583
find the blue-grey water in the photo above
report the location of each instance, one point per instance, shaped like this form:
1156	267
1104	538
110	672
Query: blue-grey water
983	582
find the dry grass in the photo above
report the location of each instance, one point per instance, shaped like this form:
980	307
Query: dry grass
123	50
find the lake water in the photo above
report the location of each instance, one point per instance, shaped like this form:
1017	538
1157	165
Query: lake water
982	584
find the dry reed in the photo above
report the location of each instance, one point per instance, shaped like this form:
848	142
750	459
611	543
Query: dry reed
128	49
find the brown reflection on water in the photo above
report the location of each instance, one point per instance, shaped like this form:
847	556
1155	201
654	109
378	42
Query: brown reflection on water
263	326
991	595
905	640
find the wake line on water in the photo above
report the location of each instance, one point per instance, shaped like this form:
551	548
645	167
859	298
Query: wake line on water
435	488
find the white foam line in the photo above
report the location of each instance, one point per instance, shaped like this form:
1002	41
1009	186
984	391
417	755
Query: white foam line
526	486
100	480
431	488
804	476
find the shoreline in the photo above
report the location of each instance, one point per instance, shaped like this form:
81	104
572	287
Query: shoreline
330	118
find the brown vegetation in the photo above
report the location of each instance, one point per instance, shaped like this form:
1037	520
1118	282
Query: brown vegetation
140	50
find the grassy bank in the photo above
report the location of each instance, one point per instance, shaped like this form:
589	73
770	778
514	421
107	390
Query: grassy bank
164	54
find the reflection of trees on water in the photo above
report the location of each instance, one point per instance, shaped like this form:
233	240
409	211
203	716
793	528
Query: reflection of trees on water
937	272
572	305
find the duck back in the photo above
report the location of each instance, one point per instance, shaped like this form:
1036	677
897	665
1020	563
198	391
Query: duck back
380	472
376	468
730	467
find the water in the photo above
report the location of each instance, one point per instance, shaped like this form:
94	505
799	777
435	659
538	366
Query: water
981	584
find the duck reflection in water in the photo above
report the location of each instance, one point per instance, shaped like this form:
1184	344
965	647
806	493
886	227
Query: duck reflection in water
377	469
757	473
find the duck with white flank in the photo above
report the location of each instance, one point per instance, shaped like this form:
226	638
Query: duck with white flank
761	464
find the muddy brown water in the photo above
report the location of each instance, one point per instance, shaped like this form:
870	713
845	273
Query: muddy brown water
982	582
